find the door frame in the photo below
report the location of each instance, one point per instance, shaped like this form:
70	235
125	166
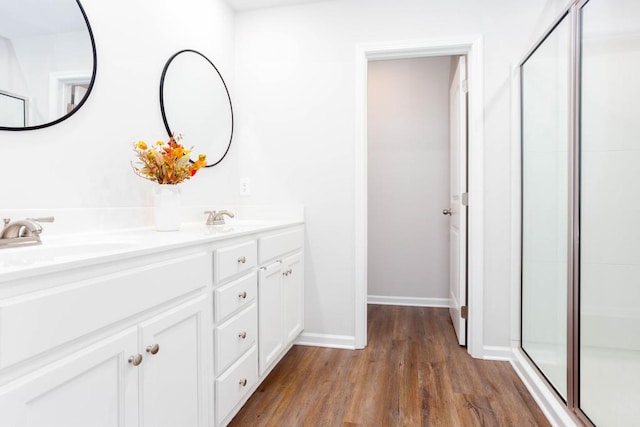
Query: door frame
471	46
59	84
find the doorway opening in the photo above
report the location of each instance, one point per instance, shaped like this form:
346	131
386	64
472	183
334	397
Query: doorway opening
416	174
470	49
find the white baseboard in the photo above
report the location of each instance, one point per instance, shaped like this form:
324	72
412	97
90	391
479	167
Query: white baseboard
490	352
327	340
409	301
553	408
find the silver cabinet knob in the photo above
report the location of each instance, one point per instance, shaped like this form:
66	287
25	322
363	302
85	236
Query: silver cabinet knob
243	382
135	360
446	212
153	349
242	259
242	334
243	295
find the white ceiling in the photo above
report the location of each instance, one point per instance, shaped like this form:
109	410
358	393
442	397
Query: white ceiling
242	5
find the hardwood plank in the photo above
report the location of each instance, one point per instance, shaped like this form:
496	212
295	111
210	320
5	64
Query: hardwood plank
412	373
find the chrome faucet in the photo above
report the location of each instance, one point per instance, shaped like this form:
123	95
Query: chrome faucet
217	217
22	232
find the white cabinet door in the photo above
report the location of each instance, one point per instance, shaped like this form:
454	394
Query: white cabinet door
270	315
93	387
173	372
293	294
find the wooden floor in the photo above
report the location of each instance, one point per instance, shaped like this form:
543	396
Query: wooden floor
412	373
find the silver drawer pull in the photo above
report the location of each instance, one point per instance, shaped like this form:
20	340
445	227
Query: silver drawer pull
243	382
243	295
242	334
242	259
135	360
153	349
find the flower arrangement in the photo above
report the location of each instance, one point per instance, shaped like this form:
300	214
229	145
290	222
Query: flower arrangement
166	162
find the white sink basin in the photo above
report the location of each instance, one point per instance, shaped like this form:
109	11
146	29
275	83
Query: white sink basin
59	251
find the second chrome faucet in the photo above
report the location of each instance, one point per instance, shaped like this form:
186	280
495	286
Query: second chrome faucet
217	217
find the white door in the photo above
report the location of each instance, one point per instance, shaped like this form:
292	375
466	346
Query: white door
457	209
173	371
95	386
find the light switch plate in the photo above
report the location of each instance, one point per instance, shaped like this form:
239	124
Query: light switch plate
245	186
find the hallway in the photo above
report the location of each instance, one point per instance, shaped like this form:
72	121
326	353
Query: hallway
412	373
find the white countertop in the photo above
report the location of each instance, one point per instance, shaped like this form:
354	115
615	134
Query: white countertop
58	253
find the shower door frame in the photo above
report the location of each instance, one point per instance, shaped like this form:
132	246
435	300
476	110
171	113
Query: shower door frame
573	13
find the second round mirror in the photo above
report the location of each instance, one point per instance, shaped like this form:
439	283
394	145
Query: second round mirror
195	102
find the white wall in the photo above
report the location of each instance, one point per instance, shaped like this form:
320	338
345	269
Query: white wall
408	178
83	162
296	102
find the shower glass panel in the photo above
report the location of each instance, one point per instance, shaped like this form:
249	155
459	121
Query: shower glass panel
12	110
545	205
609	339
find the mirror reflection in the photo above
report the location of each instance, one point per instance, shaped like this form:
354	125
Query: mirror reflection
195	102
48	62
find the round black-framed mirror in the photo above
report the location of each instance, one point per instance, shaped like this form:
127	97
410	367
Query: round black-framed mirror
38	91
196	99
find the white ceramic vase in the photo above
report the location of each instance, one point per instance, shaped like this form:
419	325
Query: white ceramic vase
167	203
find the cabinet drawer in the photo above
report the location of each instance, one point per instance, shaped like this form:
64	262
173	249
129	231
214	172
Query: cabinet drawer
234	295
235	259
33	323
234	384
276	245
235	336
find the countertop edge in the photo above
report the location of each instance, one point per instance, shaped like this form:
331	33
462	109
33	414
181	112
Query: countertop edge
186	237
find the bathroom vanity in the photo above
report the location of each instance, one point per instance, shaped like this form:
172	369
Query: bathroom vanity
145	328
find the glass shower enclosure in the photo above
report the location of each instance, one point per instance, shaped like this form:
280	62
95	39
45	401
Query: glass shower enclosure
580	146
545	184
